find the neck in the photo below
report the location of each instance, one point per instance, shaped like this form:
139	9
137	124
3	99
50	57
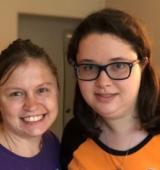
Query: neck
15	143
122	134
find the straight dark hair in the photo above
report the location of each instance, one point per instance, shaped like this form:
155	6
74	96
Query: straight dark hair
128	28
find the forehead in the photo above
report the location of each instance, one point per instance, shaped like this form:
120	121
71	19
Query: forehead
30	70
104	47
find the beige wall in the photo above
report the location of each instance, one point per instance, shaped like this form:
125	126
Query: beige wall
9	10
149	12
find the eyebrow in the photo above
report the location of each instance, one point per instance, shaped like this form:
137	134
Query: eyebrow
111	60
86	61
19	88
46	83
119	59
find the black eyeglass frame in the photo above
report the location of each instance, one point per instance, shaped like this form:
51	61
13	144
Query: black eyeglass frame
104	68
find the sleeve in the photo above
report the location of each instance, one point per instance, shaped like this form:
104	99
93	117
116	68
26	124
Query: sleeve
73	136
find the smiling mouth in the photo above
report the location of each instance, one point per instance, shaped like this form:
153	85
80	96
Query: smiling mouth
33	118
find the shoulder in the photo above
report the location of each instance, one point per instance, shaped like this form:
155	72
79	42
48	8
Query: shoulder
88	146
155	141
74	130
51	150
73	134
88	155
73	137
49	138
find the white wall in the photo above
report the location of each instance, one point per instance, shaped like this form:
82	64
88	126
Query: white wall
9	10
149	12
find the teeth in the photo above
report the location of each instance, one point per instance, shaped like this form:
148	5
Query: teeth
33	118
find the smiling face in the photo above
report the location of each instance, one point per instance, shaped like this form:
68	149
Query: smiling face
28	99
109	98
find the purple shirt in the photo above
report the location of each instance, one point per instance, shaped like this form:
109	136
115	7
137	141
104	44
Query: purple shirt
47	159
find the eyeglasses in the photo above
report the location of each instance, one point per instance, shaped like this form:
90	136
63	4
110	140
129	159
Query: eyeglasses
115	70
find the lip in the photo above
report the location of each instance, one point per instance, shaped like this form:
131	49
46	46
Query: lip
105	97
33	118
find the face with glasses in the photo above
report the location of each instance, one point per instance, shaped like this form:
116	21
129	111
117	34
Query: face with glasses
109	74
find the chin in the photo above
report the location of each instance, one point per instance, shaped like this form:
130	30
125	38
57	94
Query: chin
107	113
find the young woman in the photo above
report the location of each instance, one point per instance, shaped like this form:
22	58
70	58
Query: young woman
28	107
117	99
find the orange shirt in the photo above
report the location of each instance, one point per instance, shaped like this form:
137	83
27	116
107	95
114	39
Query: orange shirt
92	155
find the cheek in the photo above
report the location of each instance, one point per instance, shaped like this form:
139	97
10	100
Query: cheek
52	103
8	108
131	85
136	80
52	107
8	112
86	89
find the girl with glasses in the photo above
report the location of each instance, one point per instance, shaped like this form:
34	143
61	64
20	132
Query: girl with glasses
116	121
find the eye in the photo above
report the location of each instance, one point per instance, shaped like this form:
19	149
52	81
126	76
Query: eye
119	66
16	94
43	90
88	67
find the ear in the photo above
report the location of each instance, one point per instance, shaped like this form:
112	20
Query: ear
144	62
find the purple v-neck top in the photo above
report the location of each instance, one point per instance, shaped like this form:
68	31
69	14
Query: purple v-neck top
47	159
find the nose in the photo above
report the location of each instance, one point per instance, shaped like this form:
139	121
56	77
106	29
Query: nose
30	103
103	79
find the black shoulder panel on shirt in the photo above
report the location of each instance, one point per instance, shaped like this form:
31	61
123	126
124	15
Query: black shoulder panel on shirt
73	136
